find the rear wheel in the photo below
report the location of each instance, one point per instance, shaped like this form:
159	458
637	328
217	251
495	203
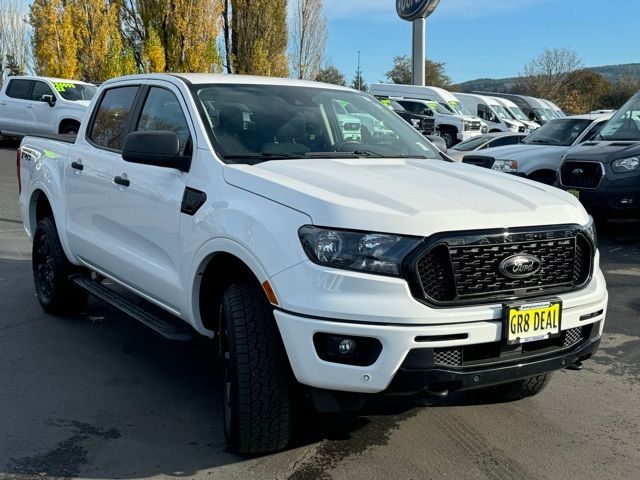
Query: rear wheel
51	271
518	390
70	129
257	379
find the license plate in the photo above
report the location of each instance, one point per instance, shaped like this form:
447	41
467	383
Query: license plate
530	322
575	193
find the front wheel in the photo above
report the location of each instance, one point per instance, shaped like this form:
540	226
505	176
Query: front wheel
448	137
51	270
257	380
517	390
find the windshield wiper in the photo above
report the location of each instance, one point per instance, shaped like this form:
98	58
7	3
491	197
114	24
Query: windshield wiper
542	142
264	156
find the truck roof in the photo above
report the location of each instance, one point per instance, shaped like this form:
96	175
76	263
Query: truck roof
208	78
51	79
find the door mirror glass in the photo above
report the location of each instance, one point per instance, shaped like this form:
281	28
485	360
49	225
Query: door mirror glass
50	99
160	148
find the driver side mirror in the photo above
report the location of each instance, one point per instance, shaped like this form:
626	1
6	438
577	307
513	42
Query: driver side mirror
160	148
427	112
50	99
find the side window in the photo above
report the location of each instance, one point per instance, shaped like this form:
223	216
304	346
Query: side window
482	111
111	117
162	111
40	89
502	141
20	89
593	131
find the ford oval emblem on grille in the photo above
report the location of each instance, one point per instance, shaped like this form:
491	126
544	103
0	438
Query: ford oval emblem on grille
577	171
520	266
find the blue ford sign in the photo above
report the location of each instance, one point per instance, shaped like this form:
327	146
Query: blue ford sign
412	9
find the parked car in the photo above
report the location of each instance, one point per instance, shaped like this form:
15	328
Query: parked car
453	127
540	155
529	105
422	123
482	142
38	105
491	111
516	113
605	173
319	265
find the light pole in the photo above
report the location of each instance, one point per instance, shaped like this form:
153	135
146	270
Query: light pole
359	73
417	11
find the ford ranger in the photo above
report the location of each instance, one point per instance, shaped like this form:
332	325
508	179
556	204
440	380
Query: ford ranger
232	207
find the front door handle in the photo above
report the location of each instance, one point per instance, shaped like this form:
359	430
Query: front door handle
122	181
77	165
3	103
29	106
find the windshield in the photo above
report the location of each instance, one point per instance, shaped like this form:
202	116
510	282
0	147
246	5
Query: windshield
75	91
551	113
560	132
518	114
392	104
625	124
436	107
459	108
542	114
253	123
501	111
471	144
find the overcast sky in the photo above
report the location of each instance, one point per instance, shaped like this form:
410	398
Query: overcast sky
483	38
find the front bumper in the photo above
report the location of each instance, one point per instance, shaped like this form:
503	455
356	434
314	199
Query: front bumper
612	201
467	134
354	304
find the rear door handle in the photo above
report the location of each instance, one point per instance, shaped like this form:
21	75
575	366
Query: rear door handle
122	181
77	165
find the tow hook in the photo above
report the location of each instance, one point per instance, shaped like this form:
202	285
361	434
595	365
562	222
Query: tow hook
576	366
435	393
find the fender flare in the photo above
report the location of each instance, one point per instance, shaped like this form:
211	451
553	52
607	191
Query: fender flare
198	265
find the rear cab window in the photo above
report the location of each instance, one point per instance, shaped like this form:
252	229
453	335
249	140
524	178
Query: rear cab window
111	117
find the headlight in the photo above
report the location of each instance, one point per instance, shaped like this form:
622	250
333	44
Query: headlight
507	166
590	230
415	122
626	165
368	252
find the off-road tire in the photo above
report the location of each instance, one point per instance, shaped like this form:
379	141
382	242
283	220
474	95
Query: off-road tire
518	390
258	383
57	294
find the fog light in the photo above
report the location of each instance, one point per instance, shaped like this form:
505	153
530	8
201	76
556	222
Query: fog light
346	346
626	201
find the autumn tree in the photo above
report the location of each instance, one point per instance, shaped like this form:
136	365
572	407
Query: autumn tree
14	40
548	75
258	37
55	47
308	38
585	91
402	72
331	74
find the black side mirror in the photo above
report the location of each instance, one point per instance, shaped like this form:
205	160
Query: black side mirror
50	99
160	148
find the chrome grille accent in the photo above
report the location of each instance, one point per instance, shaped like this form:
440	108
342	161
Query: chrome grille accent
449	357
581	174
572	336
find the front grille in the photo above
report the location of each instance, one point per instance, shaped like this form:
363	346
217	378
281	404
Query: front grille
521	129
447	357
581	174
466	268
475	125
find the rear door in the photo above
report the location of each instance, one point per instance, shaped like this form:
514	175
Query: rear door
39	115
145	214
89	176
13	107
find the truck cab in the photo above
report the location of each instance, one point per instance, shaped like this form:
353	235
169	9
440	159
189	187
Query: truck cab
491	111
42	105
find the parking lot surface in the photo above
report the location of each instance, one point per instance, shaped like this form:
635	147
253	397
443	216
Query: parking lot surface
99	396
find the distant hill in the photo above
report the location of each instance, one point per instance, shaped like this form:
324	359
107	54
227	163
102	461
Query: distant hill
610	72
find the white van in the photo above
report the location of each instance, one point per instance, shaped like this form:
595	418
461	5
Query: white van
555	108
490	110
516	113
454	127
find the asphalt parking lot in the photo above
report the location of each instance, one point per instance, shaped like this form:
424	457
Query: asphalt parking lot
98	396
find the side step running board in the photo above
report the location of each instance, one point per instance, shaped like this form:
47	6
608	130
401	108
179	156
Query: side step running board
170	327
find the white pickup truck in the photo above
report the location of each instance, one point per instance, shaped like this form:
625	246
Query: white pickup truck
42	105
232	207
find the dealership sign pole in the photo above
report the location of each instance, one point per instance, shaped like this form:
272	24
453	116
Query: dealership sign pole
417	11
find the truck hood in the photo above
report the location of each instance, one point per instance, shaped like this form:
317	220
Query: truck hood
523	152
410	197
604	151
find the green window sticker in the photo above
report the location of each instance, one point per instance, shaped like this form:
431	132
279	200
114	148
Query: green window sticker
62	86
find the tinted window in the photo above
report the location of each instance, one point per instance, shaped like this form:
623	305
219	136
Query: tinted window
40	89
625	124
561	132
75	91
20	89
502	141
111	117
162	111
471	144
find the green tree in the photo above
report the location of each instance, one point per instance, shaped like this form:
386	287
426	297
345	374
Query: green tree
331	74
358	82
258	37
12	66
435	72
585	91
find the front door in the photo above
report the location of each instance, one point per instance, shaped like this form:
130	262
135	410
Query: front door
89	177
145	213
39	114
